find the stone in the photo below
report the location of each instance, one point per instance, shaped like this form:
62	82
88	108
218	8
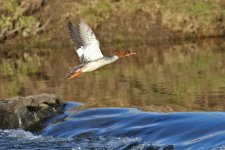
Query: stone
29	112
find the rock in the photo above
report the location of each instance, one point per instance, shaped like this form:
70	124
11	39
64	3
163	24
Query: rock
29	112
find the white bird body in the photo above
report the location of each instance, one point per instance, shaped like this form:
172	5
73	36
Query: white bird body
95	64
88	50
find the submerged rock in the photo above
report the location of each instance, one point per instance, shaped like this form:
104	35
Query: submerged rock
28	112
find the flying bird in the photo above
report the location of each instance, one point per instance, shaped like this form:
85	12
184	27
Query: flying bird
88	49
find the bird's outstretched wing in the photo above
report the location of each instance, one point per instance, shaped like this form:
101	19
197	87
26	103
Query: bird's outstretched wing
87	45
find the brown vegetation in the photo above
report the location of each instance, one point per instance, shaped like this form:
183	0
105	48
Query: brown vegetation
126	20
17	17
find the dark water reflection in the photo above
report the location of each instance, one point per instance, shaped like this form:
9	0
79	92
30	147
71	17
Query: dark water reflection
169	77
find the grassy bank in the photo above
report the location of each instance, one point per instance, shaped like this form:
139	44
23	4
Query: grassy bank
149	20
122	20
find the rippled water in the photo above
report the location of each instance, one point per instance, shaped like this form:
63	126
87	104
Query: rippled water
168	77
123	128
123	102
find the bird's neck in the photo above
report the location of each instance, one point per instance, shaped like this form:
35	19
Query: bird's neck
107	60
114	58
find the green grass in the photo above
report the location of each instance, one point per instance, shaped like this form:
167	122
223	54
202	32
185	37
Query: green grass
199	8
6	69
5	22
12	18
9	6
103	9
96	11
204	11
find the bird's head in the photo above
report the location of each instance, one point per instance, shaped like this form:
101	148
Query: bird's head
124	53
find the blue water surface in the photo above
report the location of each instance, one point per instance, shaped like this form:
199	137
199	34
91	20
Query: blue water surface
123	128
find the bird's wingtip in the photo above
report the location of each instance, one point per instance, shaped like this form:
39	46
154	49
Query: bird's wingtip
69	23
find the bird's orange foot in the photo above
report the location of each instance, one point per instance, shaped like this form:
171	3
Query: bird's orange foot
75	74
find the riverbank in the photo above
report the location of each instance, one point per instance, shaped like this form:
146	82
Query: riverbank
126	21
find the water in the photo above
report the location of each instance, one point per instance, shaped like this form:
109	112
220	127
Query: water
168	77
148	101
123	128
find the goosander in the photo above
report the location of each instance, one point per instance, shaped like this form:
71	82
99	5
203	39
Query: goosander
88	49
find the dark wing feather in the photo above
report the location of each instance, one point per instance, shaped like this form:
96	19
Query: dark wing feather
87	45
74	35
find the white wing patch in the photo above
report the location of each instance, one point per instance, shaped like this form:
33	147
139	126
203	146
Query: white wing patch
80	52
91	44
87	45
